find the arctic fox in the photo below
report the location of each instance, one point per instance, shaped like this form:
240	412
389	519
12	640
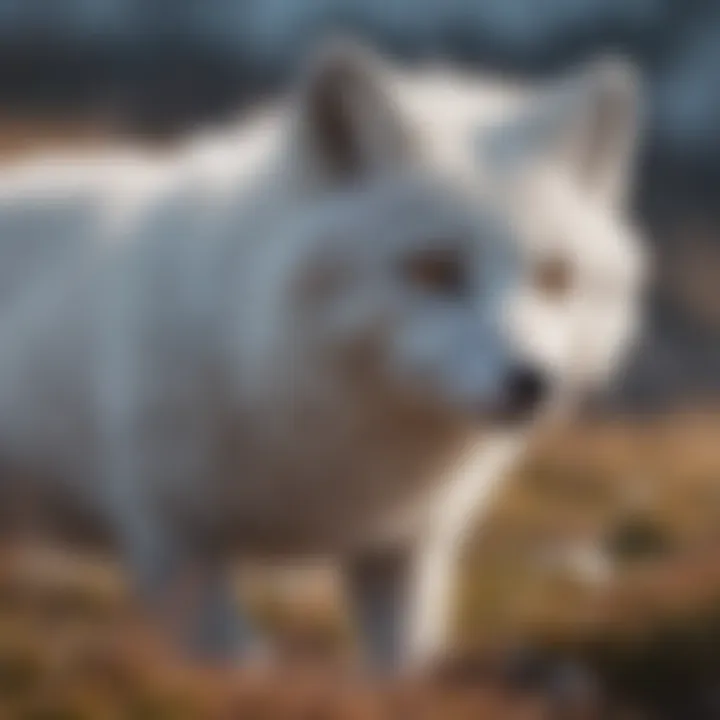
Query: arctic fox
325	334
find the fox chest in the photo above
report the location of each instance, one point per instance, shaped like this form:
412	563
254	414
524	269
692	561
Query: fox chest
326	489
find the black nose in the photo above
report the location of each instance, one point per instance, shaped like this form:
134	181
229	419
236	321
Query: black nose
526	389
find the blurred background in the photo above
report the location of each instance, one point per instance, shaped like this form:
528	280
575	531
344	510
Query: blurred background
597	576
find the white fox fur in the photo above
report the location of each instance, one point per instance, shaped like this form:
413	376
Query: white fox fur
305	337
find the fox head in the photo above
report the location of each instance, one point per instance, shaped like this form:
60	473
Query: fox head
483	272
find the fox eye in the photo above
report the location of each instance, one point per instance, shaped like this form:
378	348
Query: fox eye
553	277
437	271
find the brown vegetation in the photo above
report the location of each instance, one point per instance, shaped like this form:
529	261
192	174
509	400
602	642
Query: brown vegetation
72	647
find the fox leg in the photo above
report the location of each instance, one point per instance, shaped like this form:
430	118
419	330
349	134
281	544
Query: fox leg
402	603
190	595
186	590
377	587
431	602
459	507
217	628
189	592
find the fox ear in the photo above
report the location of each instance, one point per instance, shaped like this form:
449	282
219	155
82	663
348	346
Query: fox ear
349	127
588	122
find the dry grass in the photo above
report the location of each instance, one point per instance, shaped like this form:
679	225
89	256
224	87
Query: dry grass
72	647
